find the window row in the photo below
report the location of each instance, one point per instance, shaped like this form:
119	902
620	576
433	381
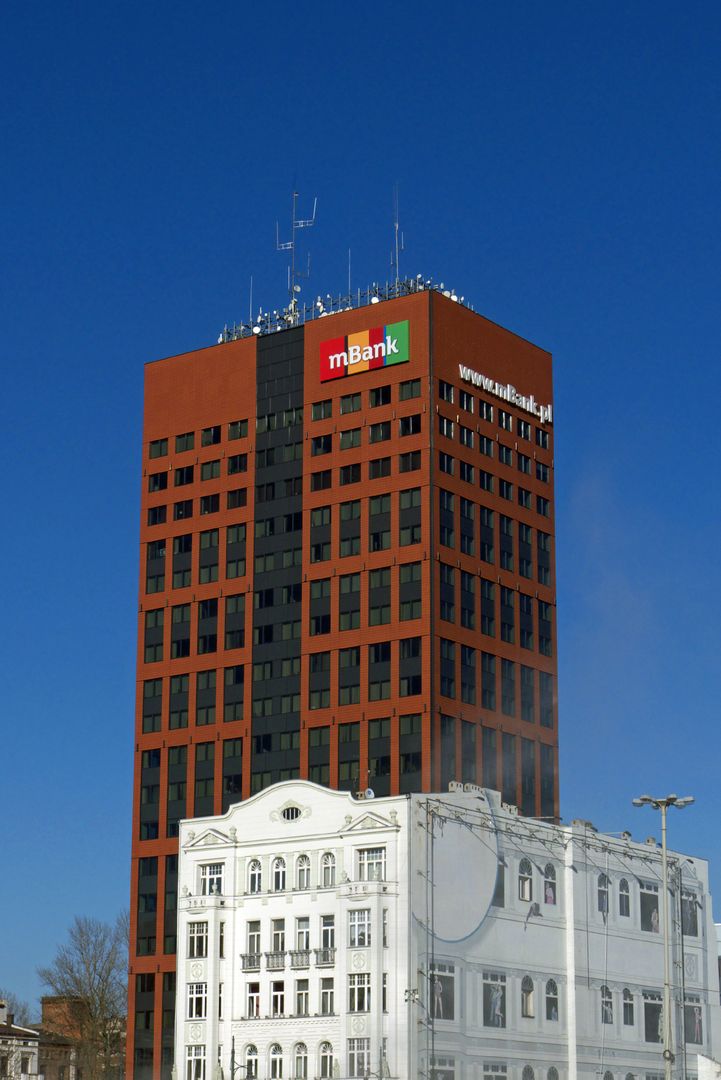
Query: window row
375	397
485	411
378	469
209	436
187	558
370	865
514	616
471	438
207	504
184	475
277	1063
493	537
379	432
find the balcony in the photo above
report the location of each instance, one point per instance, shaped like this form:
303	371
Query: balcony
300	958
250	961
275	961
324	957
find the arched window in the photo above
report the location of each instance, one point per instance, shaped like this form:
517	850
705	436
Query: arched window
606	1006
300	1062
552	1073
303	872
525	880
328	871
549	884
255	876
627	1007
624	898
528	1073
251	1062
551	1000
276	1062
608	1075
603	894
527	1005
326	1060
278	875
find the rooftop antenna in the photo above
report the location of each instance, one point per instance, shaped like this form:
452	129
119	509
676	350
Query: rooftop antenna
289	245
397	235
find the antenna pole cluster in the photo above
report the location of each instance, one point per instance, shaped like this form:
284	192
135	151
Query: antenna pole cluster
289	245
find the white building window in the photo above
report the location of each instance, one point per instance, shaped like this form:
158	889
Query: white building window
328	871
276	1062
628	1016
624	898
494	999
326	997
254	937
326	1060
359	928
278	875
549	884
211	879
359	992
195	1063
527	997
302	875
253	999
495	1070
551	1000
528	1073
251	1062
277	998
255	876
197	940
359	1057
525	880
602	896
301	997
606	1006
302	932
197	1001
300	1062
649	907
327	931
278	935
371	865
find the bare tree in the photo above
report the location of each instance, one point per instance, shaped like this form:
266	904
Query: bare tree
90	972
20	1009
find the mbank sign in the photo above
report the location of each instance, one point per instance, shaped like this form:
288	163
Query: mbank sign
364	351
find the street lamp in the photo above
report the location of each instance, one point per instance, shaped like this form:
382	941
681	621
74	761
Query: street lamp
663	804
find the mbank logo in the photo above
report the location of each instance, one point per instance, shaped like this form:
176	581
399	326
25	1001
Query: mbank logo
365	351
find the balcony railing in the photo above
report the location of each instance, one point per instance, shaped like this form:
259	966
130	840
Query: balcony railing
275	961
324	957
250	961
300	958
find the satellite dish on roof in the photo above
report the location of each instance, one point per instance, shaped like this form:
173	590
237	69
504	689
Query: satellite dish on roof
369	793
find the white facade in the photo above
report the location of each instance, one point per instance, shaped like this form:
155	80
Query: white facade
18	1048
439	936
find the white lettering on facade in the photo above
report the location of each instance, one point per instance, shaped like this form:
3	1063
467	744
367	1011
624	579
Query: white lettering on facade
507	392
355	353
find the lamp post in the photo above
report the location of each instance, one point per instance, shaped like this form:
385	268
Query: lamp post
663	804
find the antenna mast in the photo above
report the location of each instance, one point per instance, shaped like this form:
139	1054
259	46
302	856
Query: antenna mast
397	235
289	245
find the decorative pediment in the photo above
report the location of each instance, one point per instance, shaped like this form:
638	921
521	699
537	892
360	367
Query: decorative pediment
207	838
368	820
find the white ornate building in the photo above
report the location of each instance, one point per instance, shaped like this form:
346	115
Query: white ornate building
437	936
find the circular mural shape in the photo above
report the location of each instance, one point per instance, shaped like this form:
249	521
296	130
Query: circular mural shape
465	867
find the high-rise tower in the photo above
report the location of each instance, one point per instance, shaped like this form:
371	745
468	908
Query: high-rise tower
347	574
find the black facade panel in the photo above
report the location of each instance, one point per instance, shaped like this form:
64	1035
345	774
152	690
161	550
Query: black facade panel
277	581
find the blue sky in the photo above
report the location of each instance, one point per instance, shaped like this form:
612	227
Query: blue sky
557	164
